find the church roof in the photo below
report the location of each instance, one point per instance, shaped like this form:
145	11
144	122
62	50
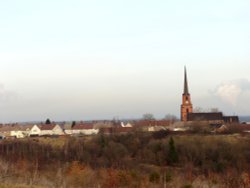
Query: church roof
209	116
231	119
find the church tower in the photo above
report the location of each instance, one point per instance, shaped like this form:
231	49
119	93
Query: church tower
186	106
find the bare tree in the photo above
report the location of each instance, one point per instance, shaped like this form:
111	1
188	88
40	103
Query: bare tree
148	116
214	110
198	109
170	117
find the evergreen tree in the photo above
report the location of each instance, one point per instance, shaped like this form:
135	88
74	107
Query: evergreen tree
48	121
172	153
73	124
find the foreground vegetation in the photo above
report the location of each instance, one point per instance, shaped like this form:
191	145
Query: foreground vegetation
132	160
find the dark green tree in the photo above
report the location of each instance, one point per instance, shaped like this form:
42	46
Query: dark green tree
172	153
73	124
48	121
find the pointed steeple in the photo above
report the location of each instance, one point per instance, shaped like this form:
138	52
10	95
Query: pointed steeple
186	106
185	83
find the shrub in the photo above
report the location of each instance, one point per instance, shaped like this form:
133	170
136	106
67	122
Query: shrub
187	186
172	153
154	177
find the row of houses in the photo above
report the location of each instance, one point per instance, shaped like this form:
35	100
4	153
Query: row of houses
22	131
81	128
92	128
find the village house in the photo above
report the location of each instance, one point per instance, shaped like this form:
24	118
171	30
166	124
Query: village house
102	124
34	131
122	130
126	124
245	128
116	130
19	132
50	129
141	125
84	129
14	131
152	125
67	128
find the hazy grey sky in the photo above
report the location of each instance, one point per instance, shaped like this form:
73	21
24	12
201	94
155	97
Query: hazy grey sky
93	59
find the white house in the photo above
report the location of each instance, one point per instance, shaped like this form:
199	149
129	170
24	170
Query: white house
50	129
14	130
34	131
67	127
18	132
127	125
84	129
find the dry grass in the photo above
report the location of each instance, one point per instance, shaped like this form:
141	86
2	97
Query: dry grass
55	142
18	186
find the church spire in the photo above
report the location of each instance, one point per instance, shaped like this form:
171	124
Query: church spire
185	82
186	106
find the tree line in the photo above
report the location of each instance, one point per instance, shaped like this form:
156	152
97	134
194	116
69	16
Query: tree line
124	151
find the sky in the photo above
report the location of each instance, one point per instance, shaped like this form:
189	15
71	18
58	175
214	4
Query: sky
95	59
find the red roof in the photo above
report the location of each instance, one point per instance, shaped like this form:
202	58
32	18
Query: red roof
47	126
123	129
110	130
244	127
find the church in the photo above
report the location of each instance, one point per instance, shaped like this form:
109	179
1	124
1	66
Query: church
213	118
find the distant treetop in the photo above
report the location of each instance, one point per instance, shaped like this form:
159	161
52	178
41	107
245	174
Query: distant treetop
48	121
148	116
